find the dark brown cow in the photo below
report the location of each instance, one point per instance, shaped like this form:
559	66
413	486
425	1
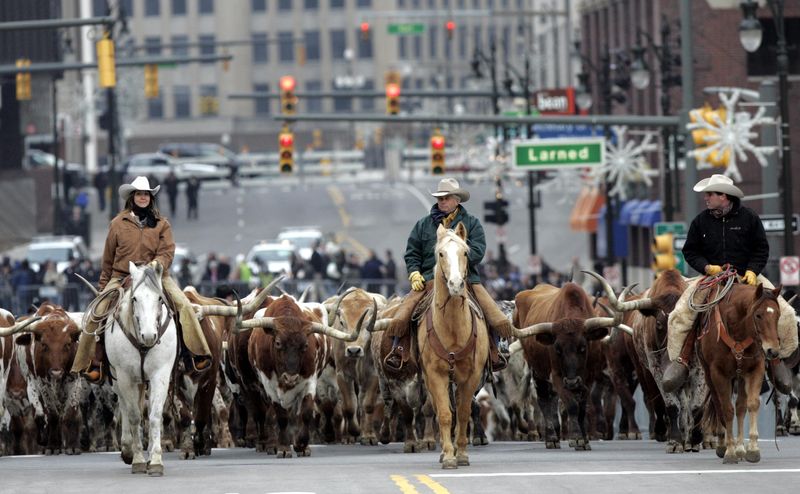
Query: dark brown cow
52	344
288	349
558	354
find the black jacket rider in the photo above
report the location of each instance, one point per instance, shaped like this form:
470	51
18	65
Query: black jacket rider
737	238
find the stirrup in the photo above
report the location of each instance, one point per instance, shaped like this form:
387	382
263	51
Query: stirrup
396	351
93	375
205	362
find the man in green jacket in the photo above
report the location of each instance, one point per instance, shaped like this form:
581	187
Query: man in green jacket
420	261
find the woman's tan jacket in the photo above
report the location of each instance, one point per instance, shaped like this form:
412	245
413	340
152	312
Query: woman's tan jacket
128	242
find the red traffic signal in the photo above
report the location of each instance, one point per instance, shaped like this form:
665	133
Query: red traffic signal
437	142
286	151
287	83
364	27
392	90
450	26
392	98
286	140
437	154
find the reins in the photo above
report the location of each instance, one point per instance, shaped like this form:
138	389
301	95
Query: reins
726	276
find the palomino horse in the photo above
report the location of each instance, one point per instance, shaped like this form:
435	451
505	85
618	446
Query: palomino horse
141	345
743	331
453	343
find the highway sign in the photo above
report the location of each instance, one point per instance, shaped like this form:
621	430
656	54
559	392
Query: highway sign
558	154
773	223
407	28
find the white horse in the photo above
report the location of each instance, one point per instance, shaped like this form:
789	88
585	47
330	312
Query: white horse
141	343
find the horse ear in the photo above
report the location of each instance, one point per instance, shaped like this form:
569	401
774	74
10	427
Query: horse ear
461	231
759	291
131	267
777	290
440	231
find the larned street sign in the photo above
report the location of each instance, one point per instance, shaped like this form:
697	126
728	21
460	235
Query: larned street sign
773	223
558	154
407	28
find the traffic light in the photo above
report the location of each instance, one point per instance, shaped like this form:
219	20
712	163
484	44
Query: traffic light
392	98
450	27
703	137
288	98
437	153
286	151
663	253
106	69
490	211
501	208
23	80
151	81
364	27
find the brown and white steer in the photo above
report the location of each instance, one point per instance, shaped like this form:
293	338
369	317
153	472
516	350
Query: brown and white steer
288	349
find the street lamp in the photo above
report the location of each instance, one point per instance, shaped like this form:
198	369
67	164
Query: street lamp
750	35
640	77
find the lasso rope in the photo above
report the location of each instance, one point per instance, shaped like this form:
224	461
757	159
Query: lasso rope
726	276
92	316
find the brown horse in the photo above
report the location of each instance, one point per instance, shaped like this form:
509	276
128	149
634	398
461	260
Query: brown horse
453	344
741	334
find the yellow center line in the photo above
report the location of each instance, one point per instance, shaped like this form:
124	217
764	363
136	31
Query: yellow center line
436	487
338	199
404	485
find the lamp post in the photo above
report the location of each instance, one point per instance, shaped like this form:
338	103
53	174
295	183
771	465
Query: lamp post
750	35
491	63
640	77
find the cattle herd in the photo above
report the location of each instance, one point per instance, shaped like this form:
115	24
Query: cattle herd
288	373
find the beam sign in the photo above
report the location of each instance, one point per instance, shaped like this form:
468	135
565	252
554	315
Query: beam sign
558	154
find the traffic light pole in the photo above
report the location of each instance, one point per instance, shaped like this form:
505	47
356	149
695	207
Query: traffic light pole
113	177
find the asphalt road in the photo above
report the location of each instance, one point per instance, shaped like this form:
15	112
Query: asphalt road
611	467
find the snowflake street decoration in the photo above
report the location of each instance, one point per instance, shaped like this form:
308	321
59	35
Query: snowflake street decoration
566	184
727	134
625	161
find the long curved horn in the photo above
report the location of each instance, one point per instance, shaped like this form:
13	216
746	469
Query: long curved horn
626	328
303	295
617	304
91	287
515	347
539	328
20	327
268	323
227	310
341	335
791	300
382	325
341	297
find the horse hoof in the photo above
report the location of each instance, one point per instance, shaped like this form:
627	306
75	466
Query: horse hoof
635	435
411	447
155	470
753	456
720	451
622	437
369	441
780	431
284	453
304	452
462	460
552	445
430	444
794	430
674	447
449	464
139	468
127	457
730	459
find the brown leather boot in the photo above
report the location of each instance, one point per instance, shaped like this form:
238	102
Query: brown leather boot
94	373
495	318
780	376
677	370
496	357
402	315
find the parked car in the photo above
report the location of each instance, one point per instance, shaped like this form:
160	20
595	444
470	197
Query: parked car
59	249
159	165
272	256
204	152
75	172
303	239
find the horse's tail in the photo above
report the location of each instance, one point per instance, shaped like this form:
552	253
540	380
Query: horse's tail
712	418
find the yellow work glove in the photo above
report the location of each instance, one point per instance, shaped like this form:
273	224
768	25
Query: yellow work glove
749	277
417	281
712	269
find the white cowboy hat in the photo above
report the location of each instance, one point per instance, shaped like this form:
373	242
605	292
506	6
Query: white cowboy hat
719	183
449	186
139	183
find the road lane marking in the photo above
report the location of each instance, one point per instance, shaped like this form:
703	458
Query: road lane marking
611	473
425	201
436	487
338	200
404	485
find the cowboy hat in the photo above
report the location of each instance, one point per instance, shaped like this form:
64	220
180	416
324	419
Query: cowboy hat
719	183
449	186
139	183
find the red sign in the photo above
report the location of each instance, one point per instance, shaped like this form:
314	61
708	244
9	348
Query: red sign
555	101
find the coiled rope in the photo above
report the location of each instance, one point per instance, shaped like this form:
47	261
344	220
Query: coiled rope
93	316
726	278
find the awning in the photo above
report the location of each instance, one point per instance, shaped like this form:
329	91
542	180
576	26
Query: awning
627	211
586	211
647	214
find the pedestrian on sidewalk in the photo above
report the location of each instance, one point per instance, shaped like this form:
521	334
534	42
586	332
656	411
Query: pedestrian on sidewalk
171	184
192	192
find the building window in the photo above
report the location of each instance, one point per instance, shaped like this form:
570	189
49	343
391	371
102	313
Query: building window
155	107
284	4
183	101
342	104
178	7
477	37
311	43
285	46
417	47
180	44
368	104
433	41
261	104
205	7
152	8
448	46
99	8
311	4
209	103
207	44
260	52
313	105
258	5
363	3
337	4
402	48
462	41
364	45
126	6
338	44
152	45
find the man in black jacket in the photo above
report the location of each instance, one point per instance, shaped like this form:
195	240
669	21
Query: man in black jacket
725	233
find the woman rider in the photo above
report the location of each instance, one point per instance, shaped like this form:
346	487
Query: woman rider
138	234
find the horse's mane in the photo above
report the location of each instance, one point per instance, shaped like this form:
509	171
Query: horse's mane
450	235
151	278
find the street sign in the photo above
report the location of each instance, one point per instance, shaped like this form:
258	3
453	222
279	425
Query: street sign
407	28
773	223
679	230
549	131
558	154
790	270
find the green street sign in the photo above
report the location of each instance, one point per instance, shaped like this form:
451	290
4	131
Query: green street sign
407	28
558	154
